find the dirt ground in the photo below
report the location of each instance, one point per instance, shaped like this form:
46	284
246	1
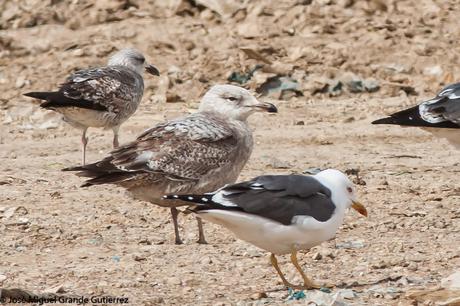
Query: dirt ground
98	241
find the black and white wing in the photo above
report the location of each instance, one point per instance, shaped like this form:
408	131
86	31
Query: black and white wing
276	197
443	111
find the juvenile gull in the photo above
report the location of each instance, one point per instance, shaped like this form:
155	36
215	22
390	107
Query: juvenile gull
100	97
440	115
197	153
281	213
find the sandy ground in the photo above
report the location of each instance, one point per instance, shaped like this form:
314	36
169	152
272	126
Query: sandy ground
98	241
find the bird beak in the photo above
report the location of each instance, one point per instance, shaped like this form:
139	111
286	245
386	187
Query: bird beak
359	208
152	70
265	106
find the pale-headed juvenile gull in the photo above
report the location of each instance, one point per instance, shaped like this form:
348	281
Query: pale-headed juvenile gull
100	97
440	115
280	213
197	153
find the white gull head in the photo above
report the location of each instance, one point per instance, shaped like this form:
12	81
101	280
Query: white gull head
133	59
233	102
343	190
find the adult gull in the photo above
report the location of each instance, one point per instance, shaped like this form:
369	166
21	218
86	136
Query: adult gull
194	154
281	214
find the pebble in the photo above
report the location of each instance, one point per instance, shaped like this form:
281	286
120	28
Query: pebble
138	257
347	294
206	260
356	244
258	296
21	81
174	281
433	71
317	256
452	281
276	163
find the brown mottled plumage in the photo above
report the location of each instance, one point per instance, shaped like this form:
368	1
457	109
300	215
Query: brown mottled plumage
194	154
100	97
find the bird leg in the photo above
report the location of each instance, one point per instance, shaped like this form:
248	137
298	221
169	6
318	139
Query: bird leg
115	137
308	284
174	213
274	262
201	239
84	142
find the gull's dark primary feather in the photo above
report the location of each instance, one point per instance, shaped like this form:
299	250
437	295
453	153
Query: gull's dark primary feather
443	111
411	117
56	99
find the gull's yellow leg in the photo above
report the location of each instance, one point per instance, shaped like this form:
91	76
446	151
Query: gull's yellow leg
274	262
308	283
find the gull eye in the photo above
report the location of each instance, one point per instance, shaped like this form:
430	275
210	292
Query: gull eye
232	99
349	189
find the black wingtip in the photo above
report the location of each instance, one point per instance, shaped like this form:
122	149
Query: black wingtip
37	95
387	120
272	109
412	117
75	168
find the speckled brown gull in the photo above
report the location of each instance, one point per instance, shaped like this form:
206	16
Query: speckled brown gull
100	97
439	116
197	153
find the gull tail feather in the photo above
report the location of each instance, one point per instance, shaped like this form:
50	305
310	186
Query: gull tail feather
56	99
102	172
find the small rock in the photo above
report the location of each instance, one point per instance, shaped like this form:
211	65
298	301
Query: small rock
433	71
2	278
23	220
225	8
21	81
452	281
56	289
138	257
317	256
174	281
157	300
206	260
9	212
347	294
356	244
78	52
312	171
258	296
275	163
